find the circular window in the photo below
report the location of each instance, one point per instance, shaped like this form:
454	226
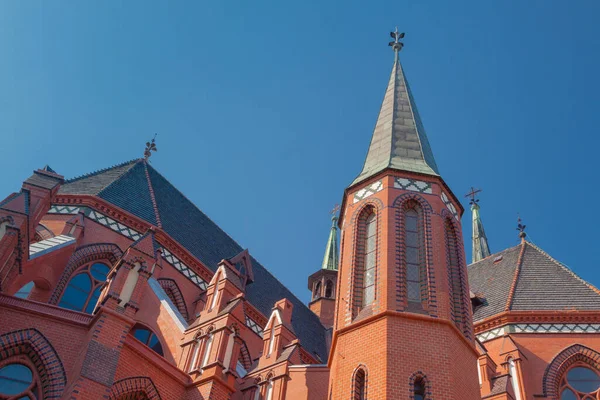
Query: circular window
583	379
15	379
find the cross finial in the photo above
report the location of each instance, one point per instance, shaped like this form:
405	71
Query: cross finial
334	212
473	195
396	44
150	147
521	228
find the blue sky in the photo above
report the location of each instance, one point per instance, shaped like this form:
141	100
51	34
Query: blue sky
264	110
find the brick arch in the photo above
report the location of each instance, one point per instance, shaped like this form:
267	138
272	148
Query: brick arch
562	362
32	344
354	305
401	204
10	219
84	254
461	316
134	388
411	385
244	357
172	290
360	368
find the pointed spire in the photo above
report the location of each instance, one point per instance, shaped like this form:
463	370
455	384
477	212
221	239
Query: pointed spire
399	140
481	248
330	261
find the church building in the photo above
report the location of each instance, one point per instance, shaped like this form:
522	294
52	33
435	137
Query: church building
113	285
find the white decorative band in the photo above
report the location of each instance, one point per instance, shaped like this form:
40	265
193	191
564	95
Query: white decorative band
184	269
250	323
114	225
449	204
538	328
58	209
413	185
368	191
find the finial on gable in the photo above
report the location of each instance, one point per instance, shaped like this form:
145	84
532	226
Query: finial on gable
150	147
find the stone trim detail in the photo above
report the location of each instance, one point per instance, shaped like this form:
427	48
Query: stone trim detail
81	256
59	209
184	269
171	287
367	191
413	185
538	328
132	386
401	295
253	325
31	343
114	225
562	362
411	385
449	204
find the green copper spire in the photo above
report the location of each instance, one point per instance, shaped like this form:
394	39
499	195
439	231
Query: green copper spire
481	249
330	261
399	141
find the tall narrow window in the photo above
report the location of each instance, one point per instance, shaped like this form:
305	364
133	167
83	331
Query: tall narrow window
370	247
269	395
207	351
360	385
317	291
512	370
454	274
413	255
329	289
419	389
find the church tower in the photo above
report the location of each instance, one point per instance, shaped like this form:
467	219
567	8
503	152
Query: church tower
402	326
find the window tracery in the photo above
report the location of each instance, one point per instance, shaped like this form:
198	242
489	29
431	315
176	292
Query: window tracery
83	290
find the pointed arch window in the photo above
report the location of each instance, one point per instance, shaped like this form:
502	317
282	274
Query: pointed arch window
317	291
19	380
416	280
370	259
580	382
359	385
147	337
455	274
83	291
419	389
329	289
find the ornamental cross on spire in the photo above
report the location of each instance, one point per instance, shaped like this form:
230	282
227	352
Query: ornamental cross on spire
473	195
396	44
150	147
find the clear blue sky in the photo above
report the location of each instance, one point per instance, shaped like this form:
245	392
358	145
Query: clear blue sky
265	109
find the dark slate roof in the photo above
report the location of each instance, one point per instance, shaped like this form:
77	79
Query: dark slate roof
126	186
44	180
399	140
542	283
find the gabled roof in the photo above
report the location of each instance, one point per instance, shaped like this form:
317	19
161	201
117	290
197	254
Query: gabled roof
399	140
525	278
138	188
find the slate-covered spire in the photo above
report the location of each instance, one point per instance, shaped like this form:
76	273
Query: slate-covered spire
399	140
330	261
481	248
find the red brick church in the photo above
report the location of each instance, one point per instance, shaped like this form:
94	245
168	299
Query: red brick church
113	285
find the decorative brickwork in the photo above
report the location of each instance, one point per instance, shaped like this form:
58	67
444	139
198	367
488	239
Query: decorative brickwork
172	290
83	255
31	343
402	203
562	362
415	377
135	388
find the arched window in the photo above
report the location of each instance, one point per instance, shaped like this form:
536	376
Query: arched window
580	382
370	258
269	395
416	280
147	337
328	289
317	291
359	386
455	275
419	389
514	379
18	380
83	290
23	293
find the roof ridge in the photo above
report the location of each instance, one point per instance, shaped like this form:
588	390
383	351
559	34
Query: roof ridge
513	286
99	171
564	266
118	178
152	197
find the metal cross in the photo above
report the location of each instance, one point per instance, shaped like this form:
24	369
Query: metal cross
336	208
150	147
472	194
396	44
